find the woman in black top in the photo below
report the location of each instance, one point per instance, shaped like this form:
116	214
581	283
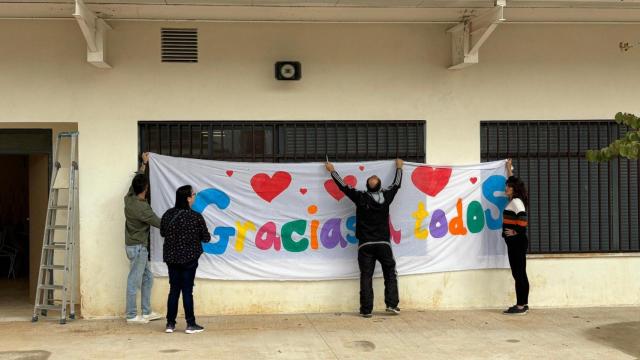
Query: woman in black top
183	230
514	231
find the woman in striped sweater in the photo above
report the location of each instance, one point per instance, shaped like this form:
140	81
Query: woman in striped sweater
514	232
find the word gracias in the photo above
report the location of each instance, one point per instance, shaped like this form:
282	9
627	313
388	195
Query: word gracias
330	235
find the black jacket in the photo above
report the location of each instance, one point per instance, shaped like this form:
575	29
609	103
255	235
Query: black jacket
372	209
184	231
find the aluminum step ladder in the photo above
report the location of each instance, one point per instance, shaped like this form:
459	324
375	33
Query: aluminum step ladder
56	286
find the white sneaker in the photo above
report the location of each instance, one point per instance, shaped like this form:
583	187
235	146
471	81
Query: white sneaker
152	316
137	320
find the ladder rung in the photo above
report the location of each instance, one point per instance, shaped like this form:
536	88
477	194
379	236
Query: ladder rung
54	302
54	247
49	307
52	267
57	227
59	207
50	287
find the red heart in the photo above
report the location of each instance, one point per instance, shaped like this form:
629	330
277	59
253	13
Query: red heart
361	168
303	191
473	180
269	187
333	189
229	173
431	180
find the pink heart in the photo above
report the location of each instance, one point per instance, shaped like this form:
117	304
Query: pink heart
269	187
473	180
361	167
229	173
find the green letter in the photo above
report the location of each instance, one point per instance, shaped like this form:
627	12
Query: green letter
299	227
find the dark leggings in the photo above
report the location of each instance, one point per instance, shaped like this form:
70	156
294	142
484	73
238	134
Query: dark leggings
517	250
367	256
181	278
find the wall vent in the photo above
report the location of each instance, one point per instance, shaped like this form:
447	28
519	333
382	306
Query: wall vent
180	45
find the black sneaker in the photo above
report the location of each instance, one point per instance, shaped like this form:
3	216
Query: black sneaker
515	310
366	315
394	310
170	328
193	329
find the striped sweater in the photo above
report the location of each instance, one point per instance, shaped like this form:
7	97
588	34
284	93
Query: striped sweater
515	217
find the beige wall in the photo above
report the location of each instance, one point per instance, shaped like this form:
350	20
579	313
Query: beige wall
352	71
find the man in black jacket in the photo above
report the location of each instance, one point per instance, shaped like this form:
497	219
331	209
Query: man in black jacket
372	231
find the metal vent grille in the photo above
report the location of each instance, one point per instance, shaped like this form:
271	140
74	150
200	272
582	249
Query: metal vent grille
180	45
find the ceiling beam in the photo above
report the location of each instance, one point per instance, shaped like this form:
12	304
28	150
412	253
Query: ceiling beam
329	14
468	36
94	31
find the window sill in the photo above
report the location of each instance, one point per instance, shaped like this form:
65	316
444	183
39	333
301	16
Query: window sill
582	255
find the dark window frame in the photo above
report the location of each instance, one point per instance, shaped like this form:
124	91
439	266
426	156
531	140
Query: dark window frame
595	205
286	141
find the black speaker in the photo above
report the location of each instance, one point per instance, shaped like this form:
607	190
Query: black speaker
288	70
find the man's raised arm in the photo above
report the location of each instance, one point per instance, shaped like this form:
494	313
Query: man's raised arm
351	193
390	192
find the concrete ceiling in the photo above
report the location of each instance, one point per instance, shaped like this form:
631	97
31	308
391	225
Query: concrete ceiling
358	3
436	11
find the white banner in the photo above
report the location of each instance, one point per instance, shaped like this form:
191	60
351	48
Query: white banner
290	221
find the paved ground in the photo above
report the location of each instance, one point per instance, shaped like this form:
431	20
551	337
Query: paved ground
14	300
596	333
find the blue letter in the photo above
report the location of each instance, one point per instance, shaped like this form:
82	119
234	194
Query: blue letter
351	225
210	196
219	247
489	187
216	197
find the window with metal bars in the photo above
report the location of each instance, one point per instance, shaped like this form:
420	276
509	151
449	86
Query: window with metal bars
280	141
575	205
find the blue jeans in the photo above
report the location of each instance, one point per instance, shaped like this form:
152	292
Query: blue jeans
140	276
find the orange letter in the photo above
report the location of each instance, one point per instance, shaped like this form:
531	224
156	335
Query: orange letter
456	225
314	234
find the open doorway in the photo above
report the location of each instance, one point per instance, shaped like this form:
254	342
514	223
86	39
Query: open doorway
25	158
26	155
14	233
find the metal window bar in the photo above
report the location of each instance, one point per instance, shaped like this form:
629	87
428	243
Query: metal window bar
610	229
301	140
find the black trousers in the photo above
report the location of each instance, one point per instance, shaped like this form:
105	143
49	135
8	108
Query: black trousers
367	256
181	278
517	250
